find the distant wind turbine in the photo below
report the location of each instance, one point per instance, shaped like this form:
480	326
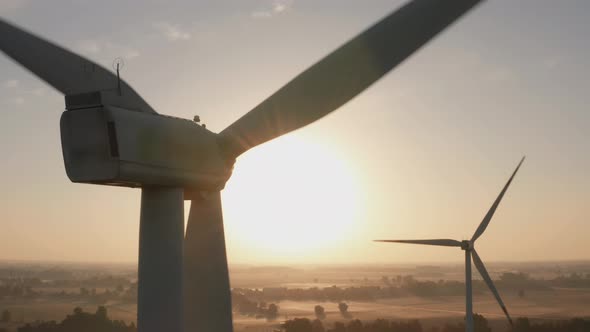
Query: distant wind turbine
468	246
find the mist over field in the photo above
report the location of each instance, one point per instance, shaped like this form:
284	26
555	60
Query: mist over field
265	297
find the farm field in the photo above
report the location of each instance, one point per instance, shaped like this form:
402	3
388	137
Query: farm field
548	303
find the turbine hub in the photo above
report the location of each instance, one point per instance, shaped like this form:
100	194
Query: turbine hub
466	245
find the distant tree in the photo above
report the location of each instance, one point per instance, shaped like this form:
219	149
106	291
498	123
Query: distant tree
343	307
101	313
317	326
572	325
408	280
378	325
522	324
384	325
514	278
81	321
412	326
272	312
6	316
320	312
355	326
338	327
460	327
480	324
298	325
244	305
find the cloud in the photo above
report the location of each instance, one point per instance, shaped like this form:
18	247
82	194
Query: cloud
15	101
10	84
261	14
172	32
277	7
10	5
105	49
130	54
552	62
89	46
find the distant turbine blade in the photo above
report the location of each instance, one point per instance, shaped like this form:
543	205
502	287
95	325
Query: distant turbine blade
344	73
486	220
207	305
486	277
434	242
67	72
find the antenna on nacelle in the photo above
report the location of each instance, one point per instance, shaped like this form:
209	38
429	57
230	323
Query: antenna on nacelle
118	64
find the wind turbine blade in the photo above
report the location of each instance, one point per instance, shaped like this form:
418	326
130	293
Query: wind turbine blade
344	73
486	277
67	72
207	305
434	242
486	220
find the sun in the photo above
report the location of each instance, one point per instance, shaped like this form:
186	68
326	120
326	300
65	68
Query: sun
289	198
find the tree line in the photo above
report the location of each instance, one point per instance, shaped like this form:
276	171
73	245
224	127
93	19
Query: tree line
401	286
100	322
384	325
121	289
244	306
80	321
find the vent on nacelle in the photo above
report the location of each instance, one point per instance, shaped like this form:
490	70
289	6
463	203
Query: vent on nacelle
113	143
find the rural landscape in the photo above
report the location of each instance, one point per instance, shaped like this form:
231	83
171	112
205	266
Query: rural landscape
270	298
294	166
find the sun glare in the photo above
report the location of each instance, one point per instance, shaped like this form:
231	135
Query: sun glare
289	197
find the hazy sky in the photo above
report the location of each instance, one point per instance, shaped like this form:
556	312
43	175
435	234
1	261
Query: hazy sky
422	154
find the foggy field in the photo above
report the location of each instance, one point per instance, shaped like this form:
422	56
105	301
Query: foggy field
558	304
115	290
304	276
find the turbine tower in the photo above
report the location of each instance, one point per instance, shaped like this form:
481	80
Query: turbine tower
111	136
469	247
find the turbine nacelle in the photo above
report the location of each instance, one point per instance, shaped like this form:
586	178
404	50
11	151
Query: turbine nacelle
467	245
110	145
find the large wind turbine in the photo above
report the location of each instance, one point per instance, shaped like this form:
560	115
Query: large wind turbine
111	136
469	247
